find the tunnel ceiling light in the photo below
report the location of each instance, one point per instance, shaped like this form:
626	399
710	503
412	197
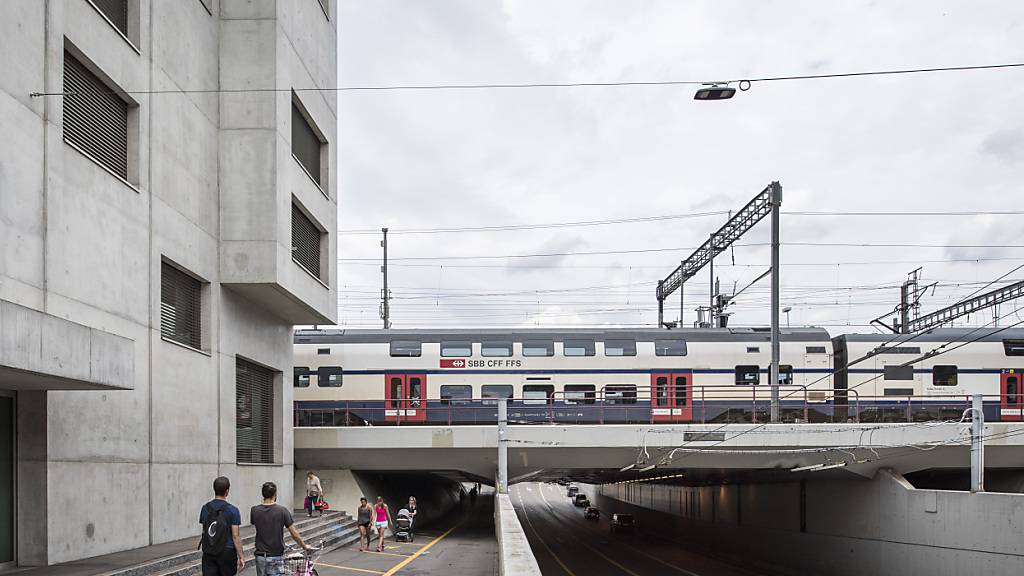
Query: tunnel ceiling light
648	468
627	468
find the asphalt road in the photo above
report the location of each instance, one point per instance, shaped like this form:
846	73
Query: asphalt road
564	543
462	545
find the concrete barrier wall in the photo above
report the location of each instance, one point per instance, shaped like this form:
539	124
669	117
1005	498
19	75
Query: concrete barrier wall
855	527
514	553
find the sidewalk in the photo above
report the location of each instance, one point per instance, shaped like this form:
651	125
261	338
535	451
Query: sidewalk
110	562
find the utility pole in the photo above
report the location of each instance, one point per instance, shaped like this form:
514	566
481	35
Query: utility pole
502	446
776	189
385	306
711	267
682	301
977	444
661	307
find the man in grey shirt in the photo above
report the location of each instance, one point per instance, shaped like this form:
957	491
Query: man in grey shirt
271	520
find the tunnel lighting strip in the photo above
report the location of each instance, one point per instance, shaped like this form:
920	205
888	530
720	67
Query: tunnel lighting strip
666	477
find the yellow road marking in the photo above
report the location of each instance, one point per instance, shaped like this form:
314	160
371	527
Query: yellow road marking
538	536
336	567
416	554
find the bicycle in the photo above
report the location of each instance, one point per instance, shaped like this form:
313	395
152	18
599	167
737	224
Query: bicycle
302	562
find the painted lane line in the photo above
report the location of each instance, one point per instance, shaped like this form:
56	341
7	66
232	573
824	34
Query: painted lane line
336	567
538	536
416	554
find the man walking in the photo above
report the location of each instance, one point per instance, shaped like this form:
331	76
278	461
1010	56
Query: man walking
221	543
270	520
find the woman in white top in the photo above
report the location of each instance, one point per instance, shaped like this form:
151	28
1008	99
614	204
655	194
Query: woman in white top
314	491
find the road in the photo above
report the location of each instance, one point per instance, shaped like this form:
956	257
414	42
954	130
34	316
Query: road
464	545
566	544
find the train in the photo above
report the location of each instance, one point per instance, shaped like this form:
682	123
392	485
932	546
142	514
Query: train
365	377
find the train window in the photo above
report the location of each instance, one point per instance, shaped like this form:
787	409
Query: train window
328	377
620	394
1012	389
496	348
459	349
944	375
406	348
749	374
538	393
323	351
1013	347
578	347
301	377
538	348
415	391
459	395
896	350
785	374
897	372
670	347
753	349
396	392
661	391
680	388
620	347
579	394
816	350
491	392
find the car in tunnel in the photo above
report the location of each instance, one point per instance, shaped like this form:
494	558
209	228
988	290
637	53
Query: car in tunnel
581	501
592	513
572	491
622	523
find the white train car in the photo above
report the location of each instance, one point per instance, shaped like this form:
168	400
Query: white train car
410	376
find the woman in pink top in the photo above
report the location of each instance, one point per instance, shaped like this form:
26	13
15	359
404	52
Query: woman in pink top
382	517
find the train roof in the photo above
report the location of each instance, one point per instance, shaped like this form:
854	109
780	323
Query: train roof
941	335
758	334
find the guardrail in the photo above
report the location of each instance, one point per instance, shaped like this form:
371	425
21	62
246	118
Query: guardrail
514	553
708	407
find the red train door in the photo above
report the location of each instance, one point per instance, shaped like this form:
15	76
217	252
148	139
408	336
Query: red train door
404	397
1011	396
672	397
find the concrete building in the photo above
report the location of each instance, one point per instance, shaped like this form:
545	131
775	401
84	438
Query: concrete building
168	212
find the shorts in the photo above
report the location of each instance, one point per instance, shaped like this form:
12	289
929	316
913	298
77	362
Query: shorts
380	525
364	524
223	564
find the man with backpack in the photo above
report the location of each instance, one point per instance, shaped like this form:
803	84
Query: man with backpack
221	542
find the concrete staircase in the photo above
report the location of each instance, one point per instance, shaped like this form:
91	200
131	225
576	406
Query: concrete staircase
334	529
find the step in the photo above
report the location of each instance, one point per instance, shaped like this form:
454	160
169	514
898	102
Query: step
314	527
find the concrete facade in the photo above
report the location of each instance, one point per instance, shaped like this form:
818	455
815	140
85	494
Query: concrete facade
119	431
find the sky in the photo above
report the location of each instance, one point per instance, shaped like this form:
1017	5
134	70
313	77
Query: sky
441	159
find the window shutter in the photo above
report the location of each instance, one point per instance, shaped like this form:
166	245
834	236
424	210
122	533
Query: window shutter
116	11
305	241
95	119
254	413
305	144
181	309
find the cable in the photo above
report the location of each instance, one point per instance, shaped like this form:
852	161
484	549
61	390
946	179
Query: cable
404	87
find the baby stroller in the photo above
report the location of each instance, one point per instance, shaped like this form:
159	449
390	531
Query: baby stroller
403	526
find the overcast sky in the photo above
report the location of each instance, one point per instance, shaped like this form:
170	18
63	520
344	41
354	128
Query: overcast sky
444	158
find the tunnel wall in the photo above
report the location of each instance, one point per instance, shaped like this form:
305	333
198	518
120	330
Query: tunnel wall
436	496
849	528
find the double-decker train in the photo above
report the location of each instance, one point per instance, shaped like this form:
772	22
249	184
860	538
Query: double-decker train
374	377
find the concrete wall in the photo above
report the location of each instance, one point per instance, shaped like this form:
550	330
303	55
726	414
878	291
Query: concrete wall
514	553
856	527
120	469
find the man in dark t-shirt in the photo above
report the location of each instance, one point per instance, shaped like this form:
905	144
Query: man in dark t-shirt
271	520
230	561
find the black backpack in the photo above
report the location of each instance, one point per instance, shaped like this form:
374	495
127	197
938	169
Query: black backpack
215	530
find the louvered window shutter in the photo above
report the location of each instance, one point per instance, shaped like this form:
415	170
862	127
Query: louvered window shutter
116	11
181	310
254	413
305	241
305	144
95	119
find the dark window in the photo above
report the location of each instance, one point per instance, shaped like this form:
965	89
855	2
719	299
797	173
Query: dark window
620	394
306	144
670	348
579	394
944	375
254	413
661	391
899	391
680	389
578	347
323	351
897	350
491	392
406	348
116	11
538	348
457	395
459	349
328	377
1013	347
620	347
785	374
301	377
305	241
816	350
896	372
395	388
95	118
415	391
1012	389
748	374
181	309
538	393
496	348
753	349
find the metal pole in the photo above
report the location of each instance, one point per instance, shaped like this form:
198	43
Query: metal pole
682	299
977	444
502	446
386	307
711	268
661	306
774	372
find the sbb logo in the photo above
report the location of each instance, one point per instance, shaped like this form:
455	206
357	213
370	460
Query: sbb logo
453	363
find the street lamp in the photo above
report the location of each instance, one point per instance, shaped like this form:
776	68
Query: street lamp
786	311
715	91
